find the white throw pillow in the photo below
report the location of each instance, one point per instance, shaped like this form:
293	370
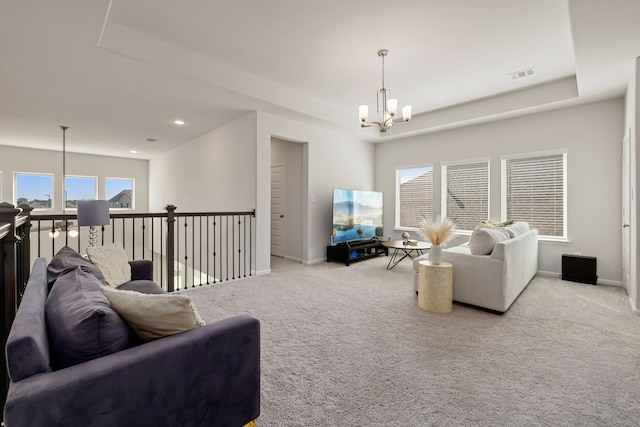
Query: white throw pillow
517	228
112	261
492	223
154	316
483	240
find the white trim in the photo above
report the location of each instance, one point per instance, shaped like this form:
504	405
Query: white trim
534	154
396	222
133	192
64	189
464	162
52	194
503	187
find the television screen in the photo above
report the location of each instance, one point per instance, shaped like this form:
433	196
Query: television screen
357	215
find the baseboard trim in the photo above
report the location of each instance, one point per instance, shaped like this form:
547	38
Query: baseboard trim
314	261
633	307
559	276
263	272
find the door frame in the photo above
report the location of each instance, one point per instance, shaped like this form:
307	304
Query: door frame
283	199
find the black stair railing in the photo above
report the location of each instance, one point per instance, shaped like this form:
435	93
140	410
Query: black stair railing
187	249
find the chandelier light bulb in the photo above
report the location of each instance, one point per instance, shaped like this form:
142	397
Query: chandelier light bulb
364	112
392	106
406	113
386	108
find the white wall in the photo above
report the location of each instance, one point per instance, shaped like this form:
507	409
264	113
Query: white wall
16	159
333	160
290	154
632	120
213	173
230	169
591	133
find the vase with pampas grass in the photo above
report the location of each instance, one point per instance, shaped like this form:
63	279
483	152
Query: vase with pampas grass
437	232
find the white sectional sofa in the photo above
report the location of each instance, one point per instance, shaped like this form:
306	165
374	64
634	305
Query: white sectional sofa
495	277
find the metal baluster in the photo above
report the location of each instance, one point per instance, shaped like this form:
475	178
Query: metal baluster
214	249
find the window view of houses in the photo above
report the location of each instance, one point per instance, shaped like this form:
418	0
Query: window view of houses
37	191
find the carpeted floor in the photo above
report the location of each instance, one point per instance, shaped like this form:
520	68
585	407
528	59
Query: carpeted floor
349	346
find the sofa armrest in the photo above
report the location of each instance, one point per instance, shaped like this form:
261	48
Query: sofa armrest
206	376
141	269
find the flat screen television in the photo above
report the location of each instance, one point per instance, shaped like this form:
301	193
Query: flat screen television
357	215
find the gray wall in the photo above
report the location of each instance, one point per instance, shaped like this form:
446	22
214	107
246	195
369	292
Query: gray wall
592	135
16	159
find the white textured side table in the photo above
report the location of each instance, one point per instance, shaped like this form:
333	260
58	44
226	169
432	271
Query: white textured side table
435	286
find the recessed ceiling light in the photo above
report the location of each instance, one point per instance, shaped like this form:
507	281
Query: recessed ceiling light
178	122
133	152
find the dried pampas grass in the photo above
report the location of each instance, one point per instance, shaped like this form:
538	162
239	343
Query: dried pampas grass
437	232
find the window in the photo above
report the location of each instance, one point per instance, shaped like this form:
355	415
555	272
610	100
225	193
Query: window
36	190
119	193
79	188
414	196
534	190
465	193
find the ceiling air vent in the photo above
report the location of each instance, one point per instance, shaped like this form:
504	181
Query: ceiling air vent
151	140
522	73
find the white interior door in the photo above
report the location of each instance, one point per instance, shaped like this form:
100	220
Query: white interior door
278	209
626	212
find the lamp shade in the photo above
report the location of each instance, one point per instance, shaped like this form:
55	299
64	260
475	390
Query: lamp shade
93	212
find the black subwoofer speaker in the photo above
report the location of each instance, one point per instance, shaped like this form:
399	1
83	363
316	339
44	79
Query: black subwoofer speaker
576	268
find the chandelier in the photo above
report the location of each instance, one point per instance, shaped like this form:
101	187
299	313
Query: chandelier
386	108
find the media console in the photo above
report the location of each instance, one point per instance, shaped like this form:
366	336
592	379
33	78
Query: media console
349	252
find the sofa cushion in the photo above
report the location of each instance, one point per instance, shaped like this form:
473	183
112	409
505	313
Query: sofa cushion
112	260
143	286
154	316
483	240
80	322
67	258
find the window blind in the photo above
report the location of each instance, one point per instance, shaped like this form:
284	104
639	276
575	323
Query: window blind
535	192
466	193
414	196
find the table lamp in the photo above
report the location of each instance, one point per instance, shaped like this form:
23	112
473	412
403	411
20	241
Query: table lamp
92	213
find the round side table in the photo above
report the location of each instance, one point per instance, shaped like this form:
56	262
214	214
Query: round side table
435	287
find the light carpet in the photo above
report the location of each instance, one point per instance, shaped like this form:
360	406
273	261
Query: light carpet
349	346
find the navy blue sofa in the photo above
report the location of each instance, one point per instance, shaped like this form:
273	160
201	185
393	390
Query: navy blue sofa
208	376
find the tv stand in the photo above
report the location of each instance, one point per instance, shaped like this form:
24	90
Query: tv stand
358	250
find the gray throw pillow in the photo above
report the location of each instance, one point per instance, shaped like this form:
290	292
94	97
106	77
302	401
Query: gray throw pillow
80	321
67	258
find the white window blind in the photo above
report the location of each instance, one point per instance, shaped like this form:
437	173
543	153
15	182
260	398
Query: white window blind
465	193
535	191
414	196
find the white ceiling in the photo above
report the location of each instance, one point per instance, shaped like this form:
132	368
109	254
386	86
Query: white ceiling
118	72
